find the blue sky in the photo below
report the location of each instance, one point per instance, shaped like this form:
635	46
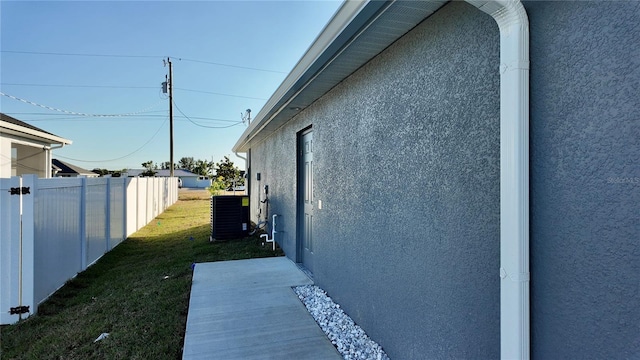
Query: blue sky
243	51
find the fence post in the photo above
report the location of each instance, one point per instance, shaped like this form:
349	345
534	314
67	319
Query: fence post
139	208
27	248
125	215
154	196
14	283
107	229
83	223
10	250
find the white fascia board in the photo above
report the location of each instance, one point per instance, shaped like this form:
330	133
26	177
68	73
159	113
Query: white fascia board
21	131
21	140
343	17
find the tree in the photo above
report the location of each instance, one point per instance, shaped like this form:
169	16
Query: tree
203	167
229	173
101	172
149	166
187	163
113	173
217	187
166	165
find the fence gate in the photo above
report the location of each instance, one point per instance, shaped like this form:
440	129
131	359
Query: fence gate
16	249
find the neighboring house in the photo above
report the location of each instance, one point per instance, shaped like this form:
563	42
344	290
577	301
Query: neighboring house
189	179
465	189
26	149
64	169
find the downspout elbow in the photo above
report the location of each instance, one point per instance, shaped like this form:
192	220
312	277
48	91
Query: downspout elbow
56	147
241	157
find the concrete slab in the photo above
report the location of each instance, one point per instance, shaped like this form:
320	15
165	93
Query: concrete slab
246	309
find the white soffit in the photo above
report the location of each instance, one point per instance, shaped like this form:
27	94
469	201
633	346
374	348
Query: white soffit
24	132
358	31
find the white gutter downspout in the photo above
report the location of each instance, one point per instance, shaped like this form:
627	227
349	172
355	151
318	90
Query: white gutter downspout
49	160
514	175
243	158
246	174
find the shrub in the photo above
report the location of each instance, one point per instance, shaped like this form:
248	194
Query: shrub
217	186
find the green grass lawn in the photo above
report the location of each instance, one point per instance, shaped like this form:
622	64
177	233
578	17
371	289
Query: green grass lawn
138	293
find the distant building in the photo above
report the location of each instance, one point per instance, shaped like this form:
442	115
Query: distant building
189	179
64	169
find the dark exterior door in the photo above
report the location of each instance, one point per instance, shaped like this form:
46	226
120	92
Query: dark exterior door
305	200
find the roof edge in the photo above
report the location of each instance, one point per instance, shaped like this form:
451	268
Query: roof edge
35	133
315	53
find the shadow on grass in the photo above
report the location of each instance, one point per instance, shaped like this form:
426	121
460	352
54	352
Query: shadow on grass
138	293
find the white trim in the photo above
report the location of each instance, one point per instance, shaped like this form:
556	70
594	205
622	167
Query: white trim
514	175
31	134
17	141
340	20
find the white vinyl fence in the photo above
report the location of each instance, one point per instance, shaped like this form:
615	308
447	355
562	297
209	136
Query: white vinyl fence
52	229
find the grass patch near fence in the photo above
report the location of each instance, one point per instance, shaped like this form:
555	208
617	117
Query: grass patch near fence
138	293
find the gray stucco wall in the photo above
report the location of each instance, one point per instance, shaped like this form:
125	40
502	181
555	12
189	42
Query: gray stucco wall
585	179
407	168
406	158
275	160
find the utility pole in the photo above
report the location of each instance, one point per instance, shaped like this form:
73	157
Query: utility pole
170	85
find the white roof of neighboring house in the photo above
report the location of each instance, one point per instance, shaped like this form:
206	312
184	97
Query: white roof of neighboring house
69	169
21	129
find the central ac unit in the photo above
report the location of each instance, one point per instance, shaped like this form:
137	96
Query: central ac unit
229	217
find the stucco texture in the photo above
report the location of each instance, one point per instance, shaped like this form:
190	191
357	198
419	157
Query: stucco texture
585	179
406	156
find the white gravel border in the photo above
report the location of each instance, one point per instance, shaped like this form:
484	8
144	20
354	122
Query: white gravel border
350	340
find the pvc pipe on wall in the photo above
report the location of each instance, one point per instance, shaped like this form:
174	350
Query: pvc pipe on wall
273	233
514	175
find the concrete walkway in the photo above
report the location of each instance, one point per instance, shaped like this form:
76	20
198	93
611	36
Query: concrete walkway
246	309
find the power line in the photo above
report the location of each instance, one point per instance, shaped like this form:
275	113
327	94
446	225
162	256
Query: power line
95	120
82	86
122	157
131	87
54	114
221	94
204	126
73	112
141	56
233	66
79	54
124	118
11	159
207	119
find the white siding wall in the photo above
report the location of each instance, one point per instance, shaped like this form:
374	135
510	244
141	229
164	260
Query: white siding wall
5	159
